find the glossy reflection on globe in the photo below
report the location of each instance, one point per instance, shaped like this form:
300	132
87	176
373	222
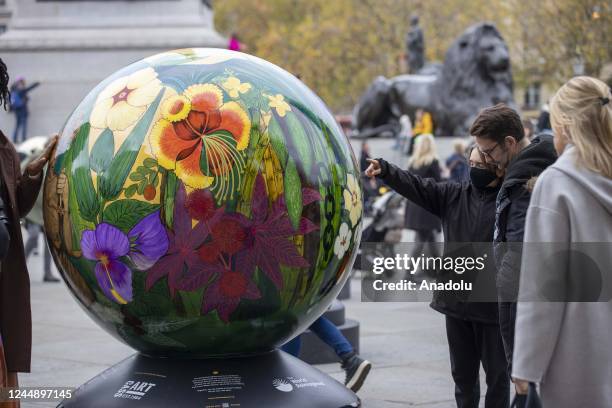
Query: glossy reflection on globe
203	202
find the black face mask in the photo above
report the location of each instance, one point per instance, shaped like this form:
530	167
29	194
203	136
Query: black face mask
481	177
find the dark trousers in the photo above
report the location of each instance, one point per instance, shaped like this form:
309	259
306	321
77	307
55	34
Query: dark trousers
326	331
410	149
424	242
470	344
507	319
21	126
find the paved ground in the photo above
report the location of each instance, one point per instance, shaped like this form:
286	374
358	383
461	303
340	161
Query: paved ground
405	341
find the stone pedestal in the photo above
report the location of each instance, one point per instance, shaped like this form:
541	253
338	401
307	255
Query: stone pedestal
70	46
5	15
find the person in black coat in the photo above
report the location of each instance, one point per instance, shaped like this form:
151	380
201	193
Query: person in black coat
467	212
544	120
499	135
423	163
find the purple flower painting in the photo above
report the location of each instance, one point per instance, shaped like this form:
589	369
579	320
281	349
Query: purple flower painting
149	241
111	248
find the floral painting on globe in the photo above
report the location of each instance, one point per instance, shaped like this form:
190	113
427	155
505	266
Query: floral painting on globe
203	201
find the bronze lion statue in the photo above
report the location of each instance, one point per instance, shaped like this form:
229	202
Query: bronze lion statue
475	74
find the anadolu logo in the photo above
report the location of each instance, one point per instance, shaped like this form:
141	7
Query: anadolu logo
282	385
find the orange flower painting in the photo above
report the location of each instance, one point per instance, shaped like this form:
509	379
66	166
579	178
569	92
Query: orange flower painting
200	137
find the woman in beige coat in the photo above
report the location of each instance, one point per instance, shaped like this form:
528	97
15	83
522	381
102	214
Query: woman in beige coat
564	317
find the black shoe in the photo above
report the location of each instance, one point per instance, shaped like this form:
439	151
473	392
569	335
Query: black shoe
357	369
50	279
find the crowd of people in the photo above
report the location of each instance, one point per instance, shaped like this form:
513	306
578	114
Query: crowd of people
553	189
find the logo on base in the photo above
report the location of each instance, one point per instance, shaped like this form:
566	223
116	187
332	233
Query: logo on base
282	385
289	384
134	390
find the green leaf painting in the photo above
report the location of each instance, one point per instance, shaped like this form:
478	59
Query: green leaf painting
102	152
300	141
293	193
277	139
86	197
124	214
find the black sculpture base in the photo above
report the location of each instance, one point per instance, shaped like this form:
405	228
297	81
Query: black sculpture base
270	380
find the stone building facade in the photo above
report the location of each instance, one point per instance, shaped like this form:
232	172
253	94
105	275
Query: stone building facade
71	45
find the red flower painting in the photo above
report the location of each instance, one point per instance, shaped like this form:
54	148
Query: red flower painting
223	249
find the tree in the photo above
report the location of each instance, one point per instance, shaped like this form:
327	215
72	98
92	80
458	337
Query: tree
554	34
338	47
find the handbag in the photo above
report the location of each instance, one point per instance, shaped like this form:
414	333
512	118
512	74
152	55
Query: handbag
529	400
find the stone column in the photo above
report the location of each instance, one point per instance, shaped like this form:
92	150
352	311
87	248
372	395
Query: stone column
5	14
71	45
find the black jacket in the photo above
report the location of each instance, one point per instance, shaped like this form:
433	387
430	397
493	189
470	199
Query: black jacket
511	210
416	217
467	215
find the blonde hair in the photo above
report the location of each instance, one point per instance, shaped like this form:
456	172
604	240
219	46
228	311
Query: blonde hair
459	146
424	151
583	106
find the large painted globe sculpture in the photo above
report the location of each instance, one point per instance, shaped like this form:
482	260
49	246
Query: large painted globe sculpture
203	203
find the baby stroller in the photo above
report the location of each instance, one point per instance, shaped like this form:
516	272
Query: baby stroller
384	231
